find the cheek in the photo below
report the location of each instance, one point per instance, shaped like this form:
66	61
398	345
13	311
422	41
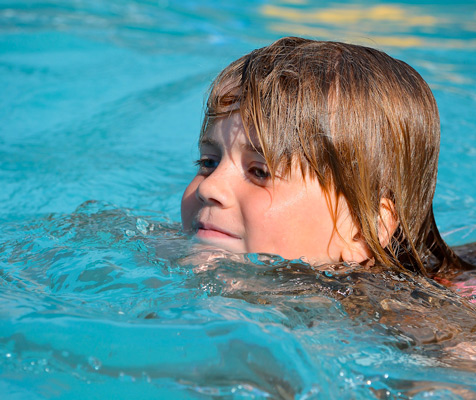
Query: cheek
190	204
295	224
270	223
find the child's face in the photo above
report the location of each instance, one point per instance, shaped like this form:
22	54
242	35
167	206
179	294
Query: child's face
233	204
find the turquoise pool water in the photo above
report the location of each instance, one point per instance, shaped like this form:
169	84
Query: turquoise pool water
102	297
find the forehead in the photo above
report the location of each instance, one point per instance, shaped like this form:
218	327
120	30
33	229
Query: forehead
228	131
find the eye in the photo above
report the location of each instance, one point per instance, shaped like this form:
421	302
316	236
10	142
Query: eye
206	165
259	173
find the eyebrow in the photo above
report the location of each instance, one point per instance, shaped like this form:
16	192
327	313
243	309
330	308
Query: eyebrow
207	141
252	148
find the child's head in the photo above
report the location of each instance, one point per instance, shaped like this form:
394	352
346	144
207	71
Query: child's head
337	146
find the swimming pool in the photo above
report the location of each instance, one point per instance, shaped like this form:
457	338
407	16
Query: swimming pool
102	297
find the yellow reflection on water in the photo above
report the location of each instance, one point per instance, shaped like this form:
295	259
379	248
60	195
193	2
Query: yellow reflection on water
352	15
370	39
301	30
382	25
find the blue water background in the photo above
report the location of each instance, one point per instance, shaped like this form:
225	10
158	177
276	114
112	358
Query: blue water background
102	100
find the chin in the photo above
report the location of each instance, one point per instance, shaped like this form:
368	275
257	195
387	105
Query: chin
220	244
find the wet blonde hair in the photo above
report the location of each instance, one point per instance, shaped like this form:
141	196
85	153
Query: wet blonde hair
363	123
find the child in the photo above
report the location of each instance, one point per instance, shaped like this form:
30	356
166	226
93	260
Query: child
324	151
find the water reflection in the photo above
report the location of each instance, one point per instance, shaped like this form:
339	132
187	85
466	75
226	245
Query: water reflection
394	25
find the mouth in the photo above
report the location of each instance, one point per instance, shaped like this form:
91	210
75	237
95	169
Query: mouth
209	232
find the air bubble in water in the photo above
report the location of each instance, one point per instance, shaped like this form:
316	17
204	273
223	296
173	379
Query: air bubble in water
126	378
146	377
94	363
142	226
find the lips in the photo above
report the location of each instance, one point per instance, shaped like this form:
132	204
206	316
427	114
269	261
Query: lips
207	230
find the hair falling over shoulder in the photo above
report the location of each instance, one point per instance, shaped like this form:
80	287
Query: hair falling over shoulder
364	124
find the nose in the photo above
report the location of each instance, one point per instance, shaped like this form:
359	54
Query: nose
216	188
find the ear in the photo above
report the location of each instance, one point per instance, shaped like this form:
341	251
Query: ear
356	250
387	222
